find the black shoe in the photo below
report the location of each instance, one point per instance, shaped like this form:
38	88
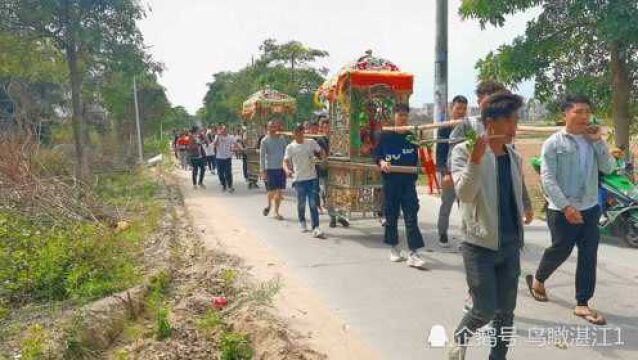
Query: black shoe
343	221
266	211
444	241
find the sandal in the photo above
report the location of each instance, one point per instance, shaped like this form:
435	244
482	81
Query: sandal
279	217
594	317
537	295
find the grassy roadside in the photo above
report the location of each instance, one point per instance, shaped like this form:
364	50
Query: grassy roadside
52	265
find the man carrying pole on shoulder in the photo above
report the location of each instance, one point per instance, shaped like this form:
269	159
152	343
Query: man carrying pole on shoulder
399	190
488	178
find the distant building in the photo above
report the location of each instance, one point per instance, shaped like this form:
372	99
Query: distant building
428	109
420	116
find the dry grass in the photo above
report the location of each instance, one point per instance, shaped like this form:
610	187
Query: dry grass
38	182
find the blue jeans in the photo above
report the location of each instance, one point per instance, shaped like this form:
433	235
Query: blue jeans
492	277
602	199
307	189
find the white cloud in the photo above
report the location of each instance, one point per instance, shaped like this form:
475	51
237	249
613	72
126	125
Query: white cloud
197	38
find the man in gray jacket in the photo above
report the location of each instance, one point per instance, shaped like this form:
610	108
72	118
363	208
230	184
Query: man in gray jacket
572	159
489	184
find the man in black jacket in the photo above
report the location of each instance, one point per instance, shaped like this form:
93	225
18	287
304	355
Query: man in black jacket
399	190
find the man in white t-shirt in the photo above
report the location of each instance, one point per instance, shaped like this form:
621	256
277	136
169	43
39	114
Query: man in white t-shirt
224	147
299	164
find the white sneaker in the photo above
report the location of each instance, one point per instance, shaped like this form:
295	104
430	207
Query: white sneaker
303	227
317	233
416	261
396	255
456	351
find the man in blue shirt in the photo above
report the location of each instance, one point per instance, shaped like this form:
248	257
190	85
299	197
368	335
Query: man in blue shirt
399	190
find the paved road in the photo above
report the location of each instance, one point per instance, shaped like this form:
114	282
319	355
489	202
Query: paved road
394	307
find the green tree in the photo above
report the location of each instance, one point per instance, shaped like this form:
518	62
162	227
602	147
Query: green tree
286	67
586	46
86	32
32	73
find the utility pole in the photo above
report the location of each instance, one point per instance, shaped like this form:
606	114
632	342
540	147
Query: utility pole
440	62
137	123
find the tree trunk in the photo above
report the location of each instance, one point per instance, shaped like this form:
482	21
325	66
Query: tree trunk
77	118
621	93
292	70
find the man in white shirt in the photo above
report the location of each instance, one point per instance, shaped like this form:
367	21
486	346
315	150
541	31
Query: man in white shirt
209	150
299	164
224	147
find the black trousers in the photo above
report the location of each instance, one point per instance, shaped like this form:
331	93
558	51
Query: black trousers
199	168
492	277
399	193
564	237
225	172
244	165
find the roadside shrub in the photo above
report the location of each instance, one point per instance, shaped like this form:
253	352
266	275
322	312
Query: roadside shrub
210	321
32	347
236	346
163	326
81	261
154	146
47	162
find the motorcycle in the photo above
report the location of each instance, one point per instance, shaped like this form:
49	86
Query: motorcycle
620	216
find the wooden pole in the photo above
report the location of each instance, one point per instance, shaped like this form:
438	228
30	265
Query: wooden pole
539	129
452	123
308	136
355	165
455	141
432	126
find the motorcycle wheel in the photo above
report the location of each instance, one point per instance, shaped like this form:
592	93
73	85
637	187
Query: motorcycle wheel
630	233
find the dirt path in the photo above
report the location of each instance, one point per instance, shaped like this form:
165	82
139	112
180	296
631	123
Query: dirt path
297	304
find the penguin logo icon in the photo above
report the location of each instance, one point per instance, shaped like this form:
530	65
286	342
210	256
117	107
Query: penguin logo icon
438	337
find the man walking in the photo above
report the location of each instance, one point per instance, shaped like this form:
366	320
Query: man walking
483	91
489	184
299	164
448	196
271	158
399	190
571	161
210	150
197	155
224	147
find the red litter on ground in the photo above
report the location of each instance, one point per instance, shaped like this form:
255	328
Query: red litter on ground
219	302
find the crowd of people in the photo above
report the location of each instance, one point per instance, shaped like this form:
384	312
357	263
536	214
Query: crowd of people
210	148
484	176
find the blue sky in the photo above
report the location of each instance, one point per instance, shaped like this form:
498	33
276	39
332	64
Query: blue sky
197	38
